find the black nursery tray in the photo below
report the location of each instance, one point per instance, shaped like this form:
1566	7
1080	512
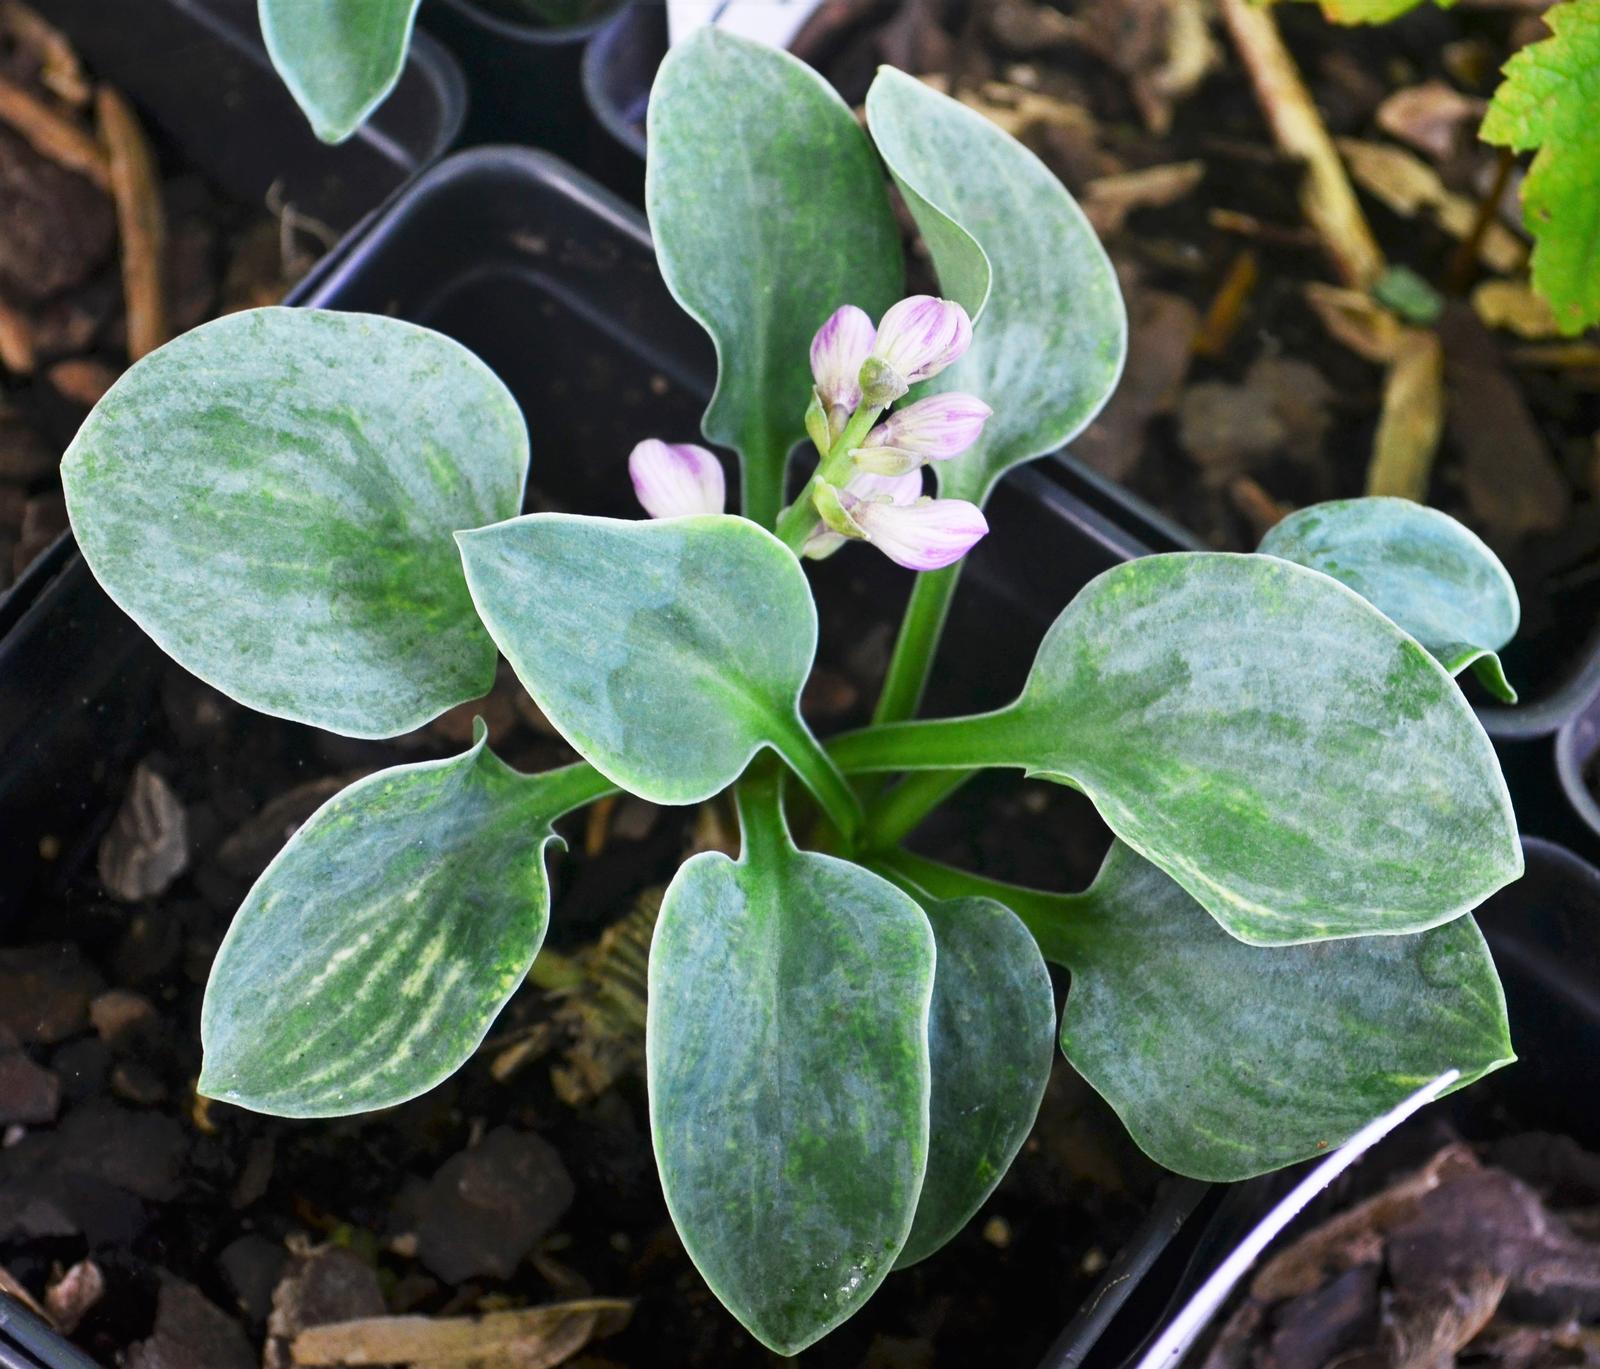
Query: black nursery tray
553	282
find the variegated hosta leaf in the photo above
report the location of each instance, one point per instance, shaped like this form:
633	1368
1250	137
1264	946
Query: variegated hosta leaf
1050	346
788	1060
370	958
272	496
1263	734
769	211
1227	1060
990	1044
667	651
1417	566
339	58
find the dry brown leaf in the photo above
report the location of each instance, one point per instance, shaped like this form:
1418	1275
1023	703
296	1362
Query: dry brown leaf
1108	200
1357	320
1408	185
1434	118
529	1338
52	134
1513	306
71	1297
60	72
1021	112
1327	198
147	845
1412	419
141	219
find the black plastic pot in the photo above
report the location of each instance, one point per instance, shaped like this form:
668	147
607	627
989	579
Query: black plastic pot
553	282
1575	750
619	68
1544	932
527	83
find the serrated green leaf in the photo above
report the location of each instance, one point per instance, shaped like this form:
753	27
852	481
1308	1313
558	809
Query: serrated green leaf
272	496
373	954
1420	568
1548	101
667	651
768	211
787	1050
990	1045
339	58
1226	1060
1280	748
1054	332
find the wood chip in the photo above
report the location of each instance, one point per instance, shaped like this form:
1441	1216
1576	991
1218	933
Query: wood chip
1355	319
52	134
16	340
147	845
1514	306
71	1297
1408	186
1226	311
142	220
530	1338
60	72
1327	198
1108	200
1412	419
1433	117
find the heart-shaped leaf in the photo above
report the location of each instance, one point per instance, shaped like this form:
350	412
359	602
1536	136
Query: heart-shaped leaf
1227	1060
667	651
372	955
1263	734
339	58
769	211
990	1044
272	496
999	224
1419	567
787	1047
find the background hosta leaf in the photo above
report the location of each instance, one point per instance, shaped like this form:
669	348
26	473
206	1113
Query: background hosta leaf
668	651
339	58
1227	1060
1420	568
1548	100
272	497
1050	346
370	958
788	1063
768	211
990	1044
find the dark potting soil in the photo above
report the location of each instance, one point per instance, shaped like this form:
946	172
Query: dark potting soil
146	1217
64	335
1239	405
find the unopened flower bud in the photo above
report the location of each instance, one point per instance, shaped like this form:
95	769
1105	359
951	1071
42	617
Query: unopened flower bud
673	479
933	429
817	426
837	351
926	535
917	338
823	542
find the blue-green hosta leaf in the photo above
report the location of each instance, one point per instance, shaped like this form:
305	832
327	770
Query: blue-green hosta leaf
372	955
990	1044
1419	567
1054	332
1227	1060
1280	748
787	1047
667	651
769	211
272	497
339	58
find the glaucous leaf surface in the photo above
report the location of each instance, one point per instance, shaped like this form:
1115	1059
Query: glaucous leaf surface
339	58
667	651
371	956
272	497
1053	335
1263	734
787	1048
1417	566
990	1045
1226	1060
769	211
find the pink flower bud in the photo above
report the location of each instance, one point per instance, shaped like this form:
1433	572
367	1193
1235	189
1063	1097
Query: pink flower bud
917	338
933	429
897	489
926	535
673	479
837	351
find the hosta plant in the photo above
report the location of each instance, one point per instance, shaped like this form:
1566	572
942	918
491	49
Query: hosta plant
847	1043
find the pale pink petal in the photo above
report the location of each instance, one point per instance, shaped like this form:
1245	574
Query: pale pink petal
674	479
837	351
922	536
921	335
933	429
898	489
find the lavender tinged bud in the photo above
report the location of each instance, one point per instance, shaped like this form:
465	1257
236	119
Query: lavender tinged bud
933	429
926	535
673	479
917	338
837	351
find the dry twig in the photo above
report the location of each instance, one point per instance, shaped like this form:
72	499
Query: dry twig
142	220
